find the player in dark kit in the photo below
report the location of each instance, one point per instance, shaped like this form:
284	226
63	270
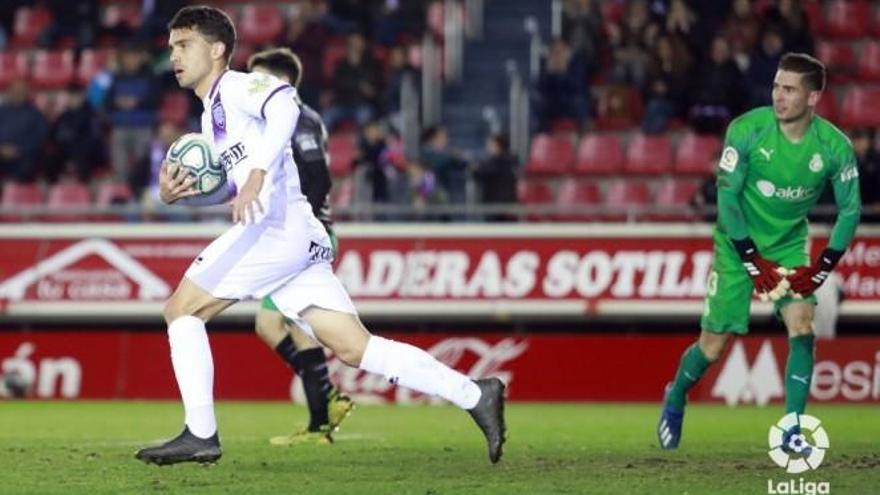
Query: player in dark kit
327	407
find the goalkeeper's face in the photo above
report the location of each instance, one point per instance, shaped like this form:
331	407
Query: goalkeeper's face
792	101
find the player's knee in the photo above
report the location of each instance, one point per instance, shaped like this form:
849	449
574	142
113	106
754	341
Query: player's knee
350	354
713	346
173	309
800	327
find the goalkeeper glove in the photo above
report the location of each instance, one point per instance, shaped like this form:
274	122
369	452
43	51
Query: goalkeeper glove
806	279
768	277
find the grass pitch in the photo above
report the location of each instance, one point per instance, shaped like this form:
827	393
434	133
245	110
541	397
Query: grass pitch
88	447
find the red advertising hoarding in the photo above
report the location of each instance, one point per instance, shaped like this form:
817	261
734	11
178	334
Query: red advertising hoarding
487	272
554	367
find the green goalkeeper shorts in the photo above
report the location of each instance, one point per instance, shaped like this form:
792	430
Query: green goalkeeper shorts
729	291
267	303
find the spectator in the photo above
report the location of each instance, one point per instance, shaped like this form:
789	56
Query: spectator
76	19
496	176
582	29
791	20
666	92
717	96
307	36
371	145
447	167
22	134
131	104
561	88
77	140
355	86
680	20
742	29
629	52
762	68
398	68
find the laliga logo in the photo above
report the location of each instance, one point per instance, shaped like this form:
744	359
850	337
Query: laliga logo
789	444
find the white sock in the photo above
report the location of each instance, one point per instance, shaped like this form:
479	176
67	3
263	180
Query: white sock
194	370
414	368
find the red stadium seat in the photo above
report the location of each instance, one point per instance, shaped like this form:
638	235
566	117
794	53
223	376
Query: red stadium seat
13	66
839	58
64	196
813	9
697	154
121	14
599	154
847	19
827	106
628	197
859	108
650	155
869	61
343	149
550	155
15	194
260	24
534	192
673	199
110	193
91	61
575	196
30	22
53	69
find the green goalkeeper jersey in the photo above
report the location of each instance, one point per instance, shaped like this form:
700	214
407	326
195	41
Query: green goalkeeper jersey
767	183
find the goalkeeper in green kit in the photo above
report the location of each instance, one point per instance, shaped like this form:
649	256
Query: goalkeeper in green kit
775	163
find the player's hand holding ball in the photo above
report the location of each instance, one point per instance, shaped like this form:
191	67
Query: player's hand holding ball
767	276
806	279
173	185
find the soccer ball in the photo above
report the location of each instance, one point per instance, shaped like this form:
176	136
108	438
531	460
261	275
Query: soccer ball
194	153
17	385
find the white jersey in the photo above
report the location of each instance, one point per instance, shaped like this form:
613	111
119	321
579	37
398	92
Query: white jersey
286	246
233	119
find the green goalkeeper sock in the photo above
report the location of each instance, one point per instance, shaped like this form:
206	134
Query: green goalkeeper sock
799	372
693	365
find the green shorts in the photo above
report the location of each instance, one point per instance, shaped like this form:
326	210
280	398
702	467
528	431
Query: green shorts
267	302
729	290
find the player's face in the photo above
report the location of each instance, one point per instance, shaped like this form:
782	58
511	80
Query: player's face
190	57
791	99
263	70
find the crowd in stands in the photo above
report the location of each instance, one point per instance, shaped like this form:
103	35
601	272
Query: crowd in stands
100	104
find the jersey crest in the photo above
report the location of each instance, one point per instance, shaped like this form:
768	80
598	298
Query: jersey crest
816	163
729	159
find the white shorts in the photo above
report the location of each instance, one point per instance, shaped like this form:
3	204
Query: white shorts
252	261
316	286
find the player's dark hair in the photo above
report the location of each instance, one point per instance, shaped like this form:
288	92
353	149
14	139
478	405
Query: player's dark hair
212	23
812	71
278	61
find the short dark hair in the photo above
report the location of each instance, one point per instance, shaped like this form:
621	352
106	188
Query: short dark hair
278	61
212	23
812	71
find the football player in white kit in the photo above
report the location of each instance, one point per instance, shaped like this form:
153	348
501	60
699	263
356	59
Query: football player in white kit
276	247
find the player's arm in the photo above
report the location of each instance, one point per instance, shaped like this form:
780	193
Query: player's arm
845	184
766	275
310	143
281	114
